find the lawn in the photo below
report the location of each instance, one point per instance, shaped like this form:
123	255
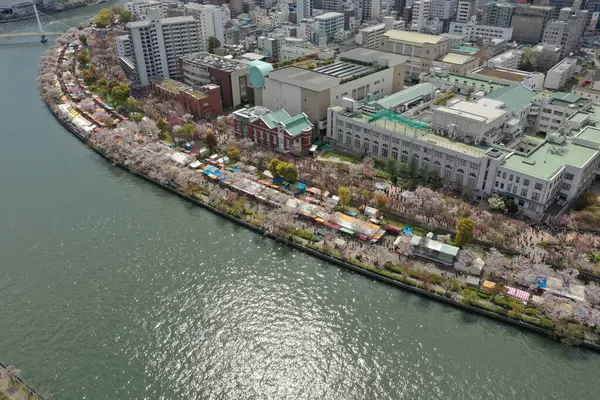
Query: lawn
331	154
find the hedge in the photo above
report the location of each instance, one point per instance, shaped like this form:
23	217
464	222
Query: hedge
305	235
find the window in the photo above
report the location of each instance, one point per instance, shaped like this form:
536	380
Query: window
498	174
450	158
504	175
518	179
546	110
405	143
438	154
526	182
461	161
502	186
357	141
509	187
496	184
532	206
510	178
514	189
427	150
521	203
524	192
395	153
539	186
375	147
535	196
340	137
566	186
460	171
395	140
569	177
448	166
404	158
416	147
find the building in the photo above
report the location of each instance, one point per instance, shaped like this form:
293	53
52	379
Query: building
546	54
123	46
370	9
158	43
359	74
497	14
457	63
472	31
294	48
444	10
210	18
460	84
466	9
420	15
304	9
333	5
553	109
203	102
567	31
509	59
421	48
270	46
330	23
508	76
371	36
541	175
559	5
140	8
199	69
276	130
528	23
557	76
405	99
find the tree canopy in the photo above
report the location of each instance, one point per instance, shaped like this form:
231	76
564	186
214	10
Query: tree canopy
344	194
464	231
287	171
213	43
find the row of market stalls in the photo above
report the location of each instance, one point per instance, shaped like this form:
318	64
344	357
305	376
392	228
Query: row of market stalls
67	113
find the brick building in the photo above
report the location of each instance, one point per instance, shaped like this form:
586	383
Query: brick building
277	130
203	102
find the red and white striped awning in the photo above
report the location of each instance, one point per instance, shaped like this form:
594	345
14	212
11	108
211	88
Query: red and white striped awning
518	293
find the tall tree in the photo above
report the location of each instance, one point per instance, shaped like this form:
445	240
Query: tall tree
464	231
211	141
344	194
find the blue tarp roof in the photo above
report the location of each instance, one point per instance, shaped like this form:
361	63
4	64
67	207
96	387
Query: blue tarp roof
408	229
302	186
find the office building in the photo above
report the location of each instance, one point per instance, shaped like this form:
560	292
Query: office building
371	36
421	48
304	9
330	23
277	130
332	5
466	9
158	43
270	46
443	9
472	31
497	14
420	15
558	76
369	9
140	8
199	69
508	76
558	5
508	59
210	18
553	109
566	31
528	23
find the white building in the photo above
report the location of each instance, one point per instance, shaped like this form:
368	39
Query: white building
330	23
443	9
557	76
466	9
369	9
420	15
509	76
568	29
271	46
541	176
508	59
210	18
304	9
140	8
123	46
371	36
471	31
157	43
553	109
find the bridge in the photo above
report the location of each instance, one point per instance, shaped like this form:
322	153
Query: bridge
25	26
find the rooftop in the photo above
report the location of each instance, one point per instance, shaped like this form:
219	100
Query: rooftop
502	73
579	117
305	78
485	110
406	95
169	84
545	161
590	133
413	37
474	82
294	125
458	59
214	61
515	98
329	15
373	56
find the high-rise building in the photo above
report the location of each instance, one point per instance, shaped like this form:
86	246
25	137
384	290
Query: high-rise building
568	29
330	23
210	18
157	44
466	9
332	5
304	9
529	22
558	5
420	15
497	14
443	9
593	17
371	9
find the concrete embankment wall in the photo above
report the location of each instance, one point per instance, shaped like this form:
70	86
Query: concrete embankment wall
323	256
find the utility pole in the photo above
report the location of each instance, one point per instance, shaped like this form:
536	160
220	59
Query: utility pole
37	17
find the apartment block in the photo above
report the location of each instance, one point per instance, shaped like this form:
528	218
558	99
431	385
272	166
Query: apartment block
553	109
508	59
330	23
557	76
567	30
472	31
371	36
210	18
443	9
497	14
466	10
528	22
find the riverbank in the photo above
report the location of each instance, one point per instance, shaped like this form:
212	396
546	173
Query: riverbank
12	386
417	280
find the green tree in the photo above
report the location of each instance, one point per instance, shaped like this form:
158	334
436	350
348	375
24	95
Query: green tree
464	231
211	141
162	125
390	167
434	179
90	75
213	43
287	171
125	16
344	194
381	201
233	153
365	195
470	297
83	39
422	176
272	167
187	131
120	93
83	58
104	18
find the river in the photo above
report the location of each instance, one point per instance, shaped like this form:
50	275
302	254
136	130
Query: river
112	288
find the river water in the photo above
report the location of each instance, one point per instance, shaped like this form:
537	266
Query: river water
111	288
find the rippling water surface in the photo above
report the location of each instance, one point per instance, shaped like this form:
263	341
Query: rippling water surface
113	289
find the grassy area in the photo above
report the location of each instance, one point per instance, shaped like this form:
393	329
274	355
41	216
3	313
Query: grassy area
331	154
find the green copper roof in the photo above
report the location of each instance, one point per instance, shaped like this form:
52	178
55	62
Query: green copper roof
406	95
566	97
515	98
272	119
293	125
